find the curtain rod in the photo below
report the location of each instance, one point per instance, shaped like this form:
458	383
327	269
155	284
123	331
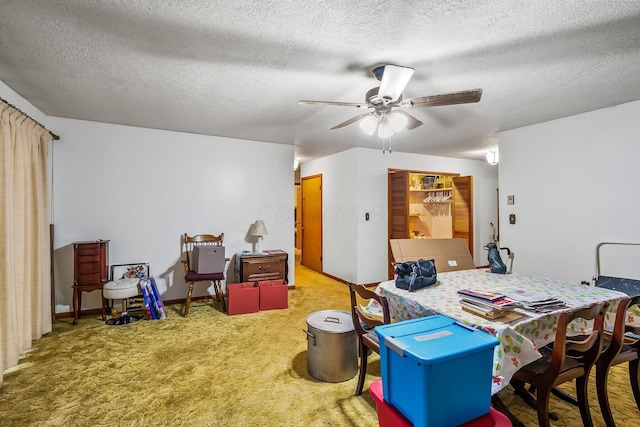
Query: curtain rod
53	135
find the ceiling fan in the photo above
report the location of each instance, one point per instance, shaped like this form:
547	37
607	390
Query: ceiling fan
387	107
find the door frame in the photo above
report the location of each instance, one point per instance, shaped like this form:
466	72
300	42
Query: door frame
389	225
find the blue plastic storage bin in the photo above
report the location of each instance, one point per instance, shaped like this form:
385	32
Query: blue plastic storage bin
436	371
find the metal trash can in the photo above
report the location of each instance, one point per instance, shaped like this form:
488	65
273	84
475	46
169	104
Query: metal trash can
332	346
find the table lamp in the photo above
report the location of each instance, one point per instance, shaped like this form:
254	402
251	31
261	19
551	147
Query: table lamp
258	229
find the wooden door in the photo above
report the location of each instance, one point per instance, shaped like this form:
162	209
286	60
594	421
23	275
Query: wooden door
462	209
398	204
311	207
398	207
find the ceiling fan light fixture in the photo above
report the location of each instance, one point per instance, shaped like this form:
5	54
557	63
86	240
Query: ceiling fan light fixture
369	124
397	121
493	157
384	130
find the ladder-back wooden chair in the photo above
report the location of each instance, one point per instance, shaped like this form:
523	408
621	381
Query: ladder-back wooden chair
622	345
190	276
571	358
365	324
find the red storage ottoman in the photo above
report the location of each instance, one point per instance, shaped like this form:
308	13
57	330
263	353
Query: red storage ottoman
273	294
388	416
243	298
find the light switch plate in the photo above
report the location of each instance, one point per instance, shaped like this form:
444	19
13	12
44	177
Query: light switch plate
510	199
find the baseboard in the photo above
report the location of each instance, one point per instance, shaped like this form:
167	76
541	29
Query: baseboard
346	282
98	311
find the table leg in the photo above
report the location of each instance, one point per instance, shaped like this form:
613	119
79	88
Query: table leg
103	304
76	296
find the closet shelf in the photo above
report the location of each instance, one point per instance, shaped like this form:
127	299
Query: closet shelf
433	190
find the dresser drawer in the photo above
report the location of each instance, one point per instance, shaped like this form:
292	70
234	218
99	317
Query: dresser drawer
88	267
93	249
89	279
83	259
263	267
263	276
268	266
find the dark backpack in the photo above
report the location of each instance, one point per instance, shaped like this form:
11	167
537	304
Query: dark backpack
495	261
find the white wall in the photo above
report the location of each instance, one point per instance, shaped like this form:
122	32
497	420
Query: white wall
339	208
575	182
355	182
12	97
143	188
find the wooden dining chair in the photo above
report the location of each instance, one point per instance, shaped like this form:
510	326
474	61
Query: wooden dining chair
571	358
618	349
191	276
364	325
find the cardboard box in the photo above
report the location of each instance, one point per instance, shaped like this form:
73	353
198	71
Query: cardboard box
449	254
424	364
207	259
243	298
274	294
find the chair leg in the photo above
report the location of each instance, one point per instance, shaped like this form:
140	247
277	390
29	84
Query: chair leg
188	302
634	378
564	396
362	372
527	396
520	390
583	399
602	376
217	286
542	406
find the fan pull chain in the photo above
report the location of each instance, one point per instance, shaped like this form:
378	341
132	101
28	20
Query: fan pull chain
388	142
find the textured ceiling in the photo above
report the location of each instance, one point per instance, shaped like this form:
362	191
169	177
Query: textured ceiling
237	68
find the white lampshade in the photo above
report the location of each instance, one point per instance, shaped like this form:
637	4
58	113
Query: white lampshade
397	121
258	229
296	163
394	80
369	124
493	157
384	130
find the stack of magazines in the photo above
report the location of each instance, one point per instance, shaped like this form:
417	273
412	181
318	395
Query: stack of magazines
490	305
535	301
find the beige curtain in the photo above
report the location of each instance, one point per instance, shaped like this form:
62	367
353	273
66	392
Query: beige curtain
25	282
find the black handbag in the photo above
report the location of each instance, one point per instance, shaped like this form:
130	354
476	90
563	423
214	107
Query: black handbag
413	275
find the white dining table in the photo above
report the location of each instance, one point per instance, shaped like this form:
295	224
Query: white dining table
519	339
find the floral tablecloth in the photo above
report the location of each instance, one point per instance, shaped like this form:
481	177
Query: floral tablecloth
519	339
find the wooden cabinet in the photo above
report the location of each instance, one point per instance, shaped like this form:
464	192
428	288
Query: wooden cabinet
90	272
429	205
270	265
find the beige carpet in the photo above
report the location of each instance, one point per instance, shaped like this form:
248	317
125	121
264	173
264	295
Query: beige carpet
211	369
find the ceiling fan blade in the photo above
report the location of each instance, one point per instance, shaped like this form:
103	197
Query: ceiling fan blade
452	98
412	122
339	104
394	80
351	121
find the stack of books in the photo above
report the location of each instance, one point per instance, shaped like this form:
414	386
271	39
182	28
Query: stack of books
490	305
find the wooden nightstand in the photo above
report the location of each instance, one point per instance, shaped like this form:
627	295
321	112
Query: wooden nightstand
90	271
269	265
